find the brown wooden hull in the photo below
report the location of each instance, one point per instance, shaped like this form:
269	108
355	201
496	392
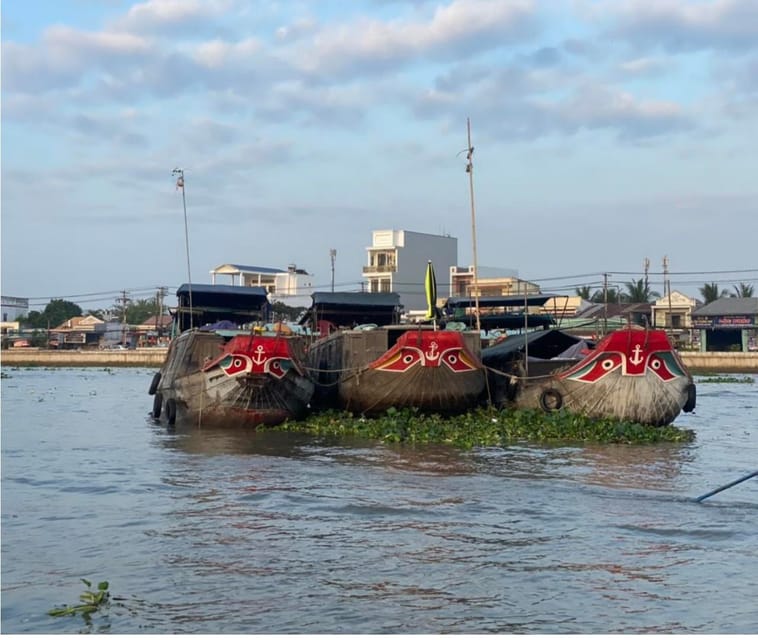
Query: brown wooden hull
631	375
371	371
246	382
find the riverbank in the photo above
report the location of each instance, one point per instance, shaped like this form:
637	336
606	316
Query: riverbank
696	362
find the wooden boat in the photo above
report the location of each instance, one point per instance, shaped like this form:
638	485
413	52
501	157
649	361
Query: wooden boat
366	362
632	374
224	368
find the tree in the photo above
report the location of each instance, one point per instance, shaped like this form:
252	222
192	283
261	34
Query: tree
584	292
710	292
56	312
611	295
139	311
638	291
744	290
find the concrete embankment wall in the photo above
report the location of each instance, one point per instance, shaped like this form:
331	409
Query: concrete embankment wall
29	357
720	362
696	362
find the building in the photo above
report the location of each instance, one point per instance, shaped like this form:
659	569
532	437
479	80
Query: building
397	261
13	308
291	286
674	313
727	324
490	281
78	332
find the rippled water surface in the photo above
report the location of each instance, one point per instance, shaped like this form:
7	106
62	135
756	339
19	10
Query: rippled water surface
231	532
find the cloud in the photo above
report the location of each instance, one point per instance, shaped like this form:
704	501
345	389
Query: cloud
459	28
679	25
169	15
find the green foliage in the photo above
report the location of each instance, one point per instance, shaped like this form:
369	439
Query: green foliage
638	291
484	428
727	379
711	292
283	312
56	312
140	310
91	602
743	290
584	292
611	295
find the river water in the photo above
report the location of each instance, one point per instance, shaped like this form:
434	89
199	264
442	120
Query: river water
229	532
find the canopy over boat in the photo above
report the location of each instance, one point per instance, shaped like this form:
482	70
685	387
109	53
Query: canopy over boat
211	303
352	308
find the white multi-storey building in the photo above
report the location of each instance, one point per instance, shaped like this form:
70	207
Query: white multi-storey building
292	286
397	262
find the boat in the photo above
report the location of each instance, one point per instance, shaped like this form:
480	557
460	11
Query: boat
632	374
225	367
366	361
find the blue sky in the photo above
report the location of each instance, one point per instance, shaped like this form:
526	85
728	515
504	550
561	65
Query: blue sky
604	133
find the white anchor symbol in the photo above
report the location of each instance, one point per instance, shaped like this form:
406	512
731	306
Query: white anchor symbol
432	353
260	357
636	358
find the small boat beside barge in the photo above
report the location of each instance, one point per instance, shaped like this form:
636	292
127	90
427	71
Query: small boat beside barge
366	362
224	368
632	374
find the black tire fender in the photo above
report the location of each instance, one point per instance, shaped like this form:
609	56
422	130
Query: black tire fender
551	400
154	384
691	398
157	405
171	411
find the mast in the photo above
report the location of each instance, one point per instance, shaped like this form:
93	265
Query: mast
470	171
180	185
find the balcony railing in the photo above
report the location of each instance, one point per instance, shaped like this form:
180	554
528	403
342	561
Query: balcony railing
387	268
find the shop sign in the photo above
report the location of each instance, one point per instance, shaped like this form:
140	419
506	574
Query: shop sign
734	321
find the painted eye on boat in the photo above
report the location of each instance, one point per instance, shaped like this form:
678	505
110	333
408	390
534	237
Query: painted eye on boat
237	362
656	364
408	359
452	358
607	364
276	365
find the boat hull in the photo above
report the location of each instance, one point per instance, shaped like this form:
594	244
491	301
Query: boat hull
248	381
631	375
369	372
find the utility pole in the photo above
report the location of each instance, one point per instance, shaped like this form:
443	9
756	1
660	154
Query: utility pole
123	300
332	256
159	295
605	303
646	266
667	287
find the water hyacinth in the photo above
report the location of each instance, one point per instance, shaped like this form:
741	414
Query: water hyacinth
485	428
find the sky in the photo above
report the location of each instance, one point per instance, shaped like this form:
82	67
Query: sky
605	133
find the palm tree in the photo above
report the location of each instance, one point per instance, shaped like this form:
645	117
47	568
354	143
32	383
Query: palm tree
638	291
744	290
611	294
584	292
710	292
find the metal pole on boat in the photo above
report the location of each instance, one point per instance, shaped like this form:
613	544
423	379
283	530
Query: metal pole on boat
332	255
180	185
470	171
726	486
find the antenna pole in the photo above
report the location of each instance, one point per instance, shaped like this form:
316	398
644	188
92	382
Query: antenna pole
180	185
470	171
